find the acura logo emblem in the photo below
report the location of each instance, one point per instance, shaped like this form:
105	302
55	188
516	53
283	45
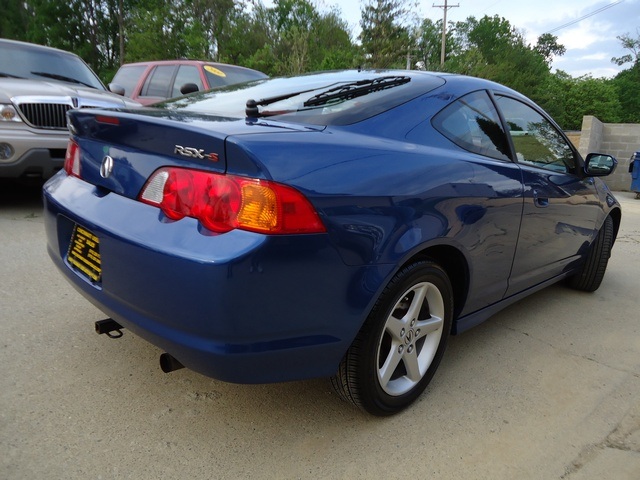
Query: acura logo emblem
107	167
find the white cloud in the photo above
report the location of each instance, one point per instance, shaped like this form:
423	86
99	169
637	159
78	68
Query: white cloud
596	56
583	37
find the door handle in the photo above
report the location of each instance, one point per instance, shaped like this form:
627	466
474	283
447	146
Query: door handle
539	201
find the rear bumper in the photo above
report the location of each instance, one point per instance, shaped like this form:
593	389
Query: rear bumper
240	307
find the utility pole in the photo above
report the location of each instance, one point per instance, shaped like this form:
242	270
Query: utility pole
444	7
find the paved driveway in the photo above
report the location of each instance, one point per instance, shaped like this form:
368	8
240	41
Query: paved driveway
549	388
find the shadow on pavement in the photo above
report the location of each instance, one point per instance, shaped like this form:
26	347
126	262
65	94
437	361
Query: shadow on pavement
20	193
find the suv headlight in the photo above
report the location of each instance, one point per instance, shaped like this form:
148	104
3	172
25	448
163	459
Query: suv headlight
8	113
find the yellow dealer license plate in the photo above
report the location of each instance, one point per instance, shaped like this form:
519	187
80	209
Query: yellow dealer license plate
84	253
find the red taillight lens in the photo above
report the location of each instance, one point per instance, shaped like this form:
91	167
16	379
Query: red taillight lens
72	159
225	202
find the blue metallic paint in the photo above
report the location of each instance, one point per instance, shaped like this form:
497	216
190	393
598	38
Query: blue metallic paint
238	295
251	308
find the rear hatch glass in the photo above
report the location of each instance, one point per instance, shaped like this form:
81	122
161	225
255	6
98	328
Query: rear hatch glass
333	98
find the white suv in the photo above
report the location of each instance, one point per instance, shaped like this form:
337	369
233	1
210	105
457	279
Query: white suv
38	85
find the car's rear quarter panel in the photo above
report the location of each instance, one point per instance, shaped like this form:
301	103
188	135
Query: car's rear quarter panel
384	200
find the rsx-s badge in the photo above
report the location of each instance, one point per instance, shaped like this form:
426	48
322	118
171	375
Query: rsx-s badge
192	152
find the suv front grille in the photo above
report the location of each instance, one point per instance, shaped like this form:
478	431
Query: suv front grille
45	115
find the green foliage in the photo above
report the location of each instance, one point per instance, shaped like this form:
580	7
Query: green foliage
334	50
14	20
301	39
627	82
627	85
631	44
429	43
491	48
572	98
246	38
384	40
296	36
548	46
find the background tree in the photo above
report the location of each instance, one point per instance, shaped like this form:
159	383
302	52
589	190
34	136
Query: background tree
207	19
246	33
548	46
385	41
627	82
492	48
85	27
627	87
631	44
429	43
294	22
296	36
572	98
14	19
334	50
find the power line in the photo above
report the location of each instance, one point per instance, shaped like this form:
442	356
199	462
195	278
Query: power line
595	12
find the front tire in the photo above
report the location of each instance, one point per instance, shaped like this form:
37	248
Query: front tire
590	276
396	353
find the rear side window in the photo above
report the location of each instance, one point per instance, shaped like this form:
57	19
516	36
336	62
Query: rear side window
472	123
128	77
159	81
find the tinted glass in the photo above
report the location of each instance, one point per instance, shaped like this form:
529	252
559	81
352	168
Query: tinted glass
536	140
294	92
25	61
472	123
128	77
186	74
158	82
220	75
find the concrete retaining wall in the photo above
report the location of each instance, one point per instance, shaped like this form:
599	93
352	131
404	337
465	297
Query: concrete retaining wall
617	139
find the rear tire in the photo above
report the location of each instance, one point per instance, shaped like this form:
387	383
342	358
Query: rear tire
396	353
590	276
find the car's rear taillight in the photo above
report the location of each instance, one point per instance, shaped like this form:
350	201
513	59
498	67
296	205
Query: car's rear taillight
225	202
72	159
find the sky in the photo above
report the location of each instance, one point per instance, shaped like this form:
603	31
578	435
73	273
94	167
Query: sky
590	43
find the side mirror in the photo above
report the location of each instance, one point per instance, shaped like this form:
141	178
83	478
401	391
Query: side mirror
188	88
117	89
599	165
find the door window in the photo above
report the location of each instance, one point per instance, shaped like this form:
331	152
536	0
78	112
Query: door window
537	142
186	74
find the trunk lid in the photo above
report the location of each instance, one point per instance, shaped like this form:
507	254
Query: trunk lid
122	148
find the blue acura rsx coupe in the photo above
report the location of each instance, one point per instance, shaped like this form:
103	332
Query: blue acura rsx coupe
339	224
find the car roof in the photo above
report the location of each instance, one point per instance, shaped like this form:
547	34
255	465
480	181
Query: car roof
181	62
453	80
464	82
451	86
